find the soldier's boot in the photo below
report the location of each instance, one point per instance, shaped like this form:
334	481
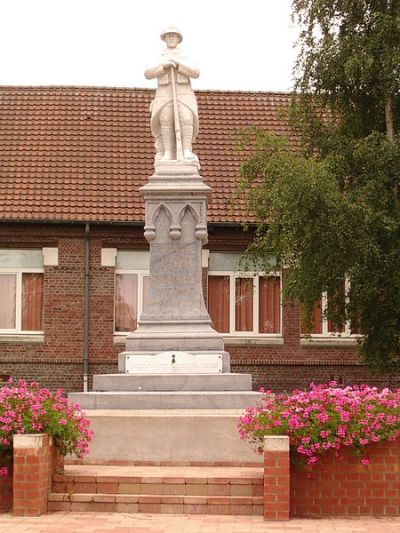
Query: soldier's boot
168	143
187	137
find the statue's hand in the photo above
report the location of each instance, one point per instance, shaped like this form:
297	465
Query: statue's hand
168	64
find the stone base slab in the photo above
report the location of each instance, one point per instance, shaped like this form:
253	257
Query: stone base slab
166	400
161	338
172	382
178	436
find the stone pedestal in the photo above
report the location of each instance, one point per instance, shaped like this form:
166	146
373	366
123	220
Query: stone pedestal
175	325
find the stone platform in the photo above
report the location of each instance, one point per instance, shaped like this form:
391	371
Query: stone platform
165	400
172	382
167	417
168	391
177	436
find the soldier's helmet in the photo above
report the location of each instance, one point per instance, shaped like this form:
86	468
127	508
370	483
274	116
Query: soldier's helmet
171	29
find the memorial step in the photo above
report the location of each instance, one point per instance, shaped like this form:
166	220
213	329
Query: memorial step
165	399
180	490
172	382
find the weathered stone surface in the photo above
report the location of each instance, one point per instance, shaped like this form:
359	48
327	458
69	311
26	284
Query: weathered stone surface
168	436
174	313
165	399
171	382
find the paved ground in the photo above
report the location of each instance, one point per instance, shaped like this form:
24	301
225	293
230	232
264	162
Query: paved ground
135	523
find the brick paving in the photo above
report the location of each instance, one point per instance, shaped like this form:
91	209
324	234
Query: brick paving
135	523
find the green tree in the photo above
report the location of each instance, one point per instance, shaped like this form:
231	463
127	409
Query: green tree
330	208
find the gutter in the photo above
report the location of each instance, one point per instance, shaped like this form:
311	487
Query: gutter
86	310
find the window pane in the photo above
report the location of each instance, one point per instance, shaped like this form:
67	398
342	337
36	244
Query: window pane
332	326
316	319
126	302
8	288
244	304
218	302
224	261
32	302
269	305
21	258
133	259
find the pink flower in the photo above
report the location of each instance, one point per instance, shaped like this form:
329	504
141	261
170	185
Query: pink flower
357	416
365	461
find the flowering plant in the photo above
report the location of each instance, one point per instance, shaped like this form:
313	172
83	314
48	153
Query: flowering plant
325	417
31	409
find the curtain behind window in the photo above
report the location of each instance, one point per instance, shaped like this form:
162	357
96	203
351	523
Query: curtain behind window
269	304
244	304
8	288
218	302
126	286
32	302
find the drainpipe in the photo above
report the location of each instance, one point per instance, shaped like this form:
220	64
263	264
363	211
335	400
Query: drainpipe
86	311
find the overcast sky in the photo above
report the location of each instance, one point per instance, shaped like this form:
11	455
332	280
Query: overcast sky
237	44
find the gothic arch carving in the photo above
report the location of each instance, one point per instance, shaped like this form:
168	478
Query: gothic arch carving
158	213
184	210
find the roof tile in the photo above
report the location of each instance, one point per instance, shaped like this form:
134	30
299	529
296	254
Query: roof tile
81	153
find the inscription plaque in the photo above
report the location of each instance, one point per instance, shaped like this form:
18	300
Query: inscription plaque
173	362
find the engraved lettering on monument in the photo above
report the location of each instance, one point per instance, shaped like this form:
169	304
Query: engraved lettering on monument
175	363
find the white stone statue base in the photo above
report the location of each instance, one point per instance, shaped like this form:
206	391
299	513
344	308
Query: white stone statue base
174	332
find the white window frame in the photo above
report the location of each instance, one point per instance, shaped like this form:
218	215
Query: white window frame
18	272
332	334
140	274
232	302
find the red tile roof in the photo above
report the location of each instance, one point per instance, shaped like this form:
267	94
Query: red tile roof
81	153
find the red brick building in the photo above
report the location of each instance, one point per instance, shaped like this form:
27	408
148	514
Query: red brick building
73	260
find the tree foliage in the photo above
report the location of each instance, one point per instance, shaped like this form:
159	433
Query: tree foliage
331	208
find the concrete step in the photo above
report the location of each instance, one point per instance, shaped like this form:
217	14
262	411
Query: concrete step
166	399
172	382
182	490
179	436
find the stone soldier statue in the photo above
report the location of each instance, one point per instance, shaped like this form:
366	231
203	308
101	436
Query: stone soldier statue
174	115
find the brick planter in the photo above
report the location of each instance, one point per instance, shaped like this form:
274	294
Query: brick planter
35	460
339	487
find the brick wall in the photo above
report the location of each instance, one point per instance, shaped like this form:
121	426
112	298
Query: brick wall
338	487
346	487
35	461
58	360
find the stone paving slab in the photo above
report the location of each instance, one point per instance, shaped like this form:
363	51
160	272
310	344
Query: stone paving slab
146	523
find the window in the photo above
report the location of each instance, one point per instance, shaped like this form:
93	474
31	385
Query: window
238	303
321	325
21	289
131	284
242	303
